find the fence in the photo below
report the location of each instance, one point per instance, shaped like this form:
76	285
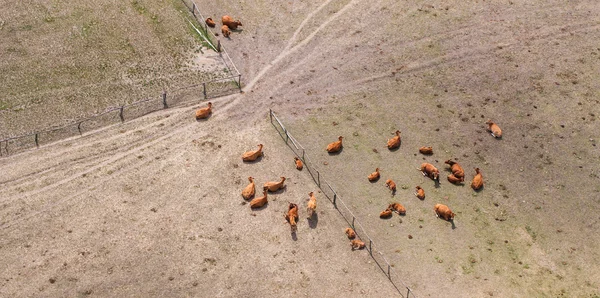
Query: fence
209	89
341	206
191	5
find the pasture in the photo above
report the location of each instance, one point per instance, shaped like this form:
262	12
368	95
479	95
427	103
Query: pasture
153	206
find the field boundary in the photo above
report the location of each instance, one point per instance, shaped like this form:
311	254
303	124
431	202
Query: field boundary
341	207
209	89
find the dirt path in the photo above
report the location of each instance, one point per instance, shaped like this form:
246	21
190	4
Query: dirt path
134	203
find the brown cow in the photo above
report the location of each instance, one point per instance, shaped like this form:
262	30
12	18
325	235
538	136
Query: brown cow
253	155
229	22
299	164
335	146
248	191
420	193
494	129
292	216
210	22
387	213
443	211
394	142
374	176
203	113
225	30
357	244
260	201
350	233
455	180
391	185
311	206
456	169
274	185
430	171
398	208
477	182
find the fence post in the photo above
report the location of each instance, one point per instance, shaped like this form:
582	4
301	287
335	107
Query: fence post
204	89
219	46
79	127
287	137
121	114
389	276
164	98
240	82
353	222
408	293
334	198
371	246
194	8
37	144
318	179
303	154
271	115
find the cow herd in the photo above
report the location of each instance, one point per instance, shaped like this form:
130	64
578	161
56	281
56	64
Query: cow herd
457	176
228	24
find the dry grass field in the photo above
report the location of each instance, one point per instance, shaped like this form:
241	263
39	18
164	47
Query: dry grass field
152	207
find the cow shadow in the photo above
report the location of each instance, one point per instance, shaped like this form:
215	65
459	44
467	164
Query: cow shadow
313	221
453	225
337	152
279	191
204	119
294	236
261	207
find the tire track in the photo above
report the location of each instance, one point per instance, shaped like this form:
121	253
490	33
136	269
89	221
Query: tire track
184	132
288	50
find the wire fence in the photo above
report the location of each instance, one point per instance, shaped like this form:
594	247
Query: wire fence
213	88
341	206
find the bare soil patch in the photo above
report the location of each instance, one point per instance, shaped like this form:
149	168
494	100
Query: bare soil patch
141	203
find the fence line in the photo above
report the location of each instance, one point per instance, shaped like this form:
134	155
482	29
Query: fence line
132	110
341	207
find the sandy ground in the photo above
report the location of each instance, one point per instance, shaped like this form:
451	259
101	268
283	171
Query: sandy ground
152	207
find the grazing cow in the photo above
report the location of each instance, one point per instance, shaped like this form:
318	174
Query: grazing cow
391	185
210	22
253	155
260	201
312	205
398	208
477	182
420	193
394	142
494	129
225	30
374	176
430	171
203	113
335	146
350	233
357	244
299	164
229	22
426	150
387	213
443	211
292	216
248	191
273	185
456	169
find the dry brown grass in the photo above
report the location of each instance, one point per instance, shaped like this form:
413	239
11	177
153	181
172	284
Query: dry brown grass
66	60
